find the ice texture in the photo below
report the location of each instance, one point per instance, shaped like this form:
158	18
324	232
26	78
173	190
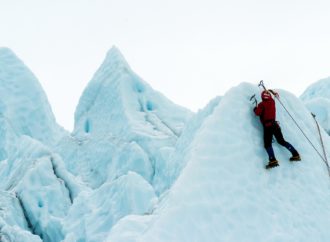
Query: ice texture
318	89
33	177
121	125
99	210
138	168
317	100
13	226
23	102
224	193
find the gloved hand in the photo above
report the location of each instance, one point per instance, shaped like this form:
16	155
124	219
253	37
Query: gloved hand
274	93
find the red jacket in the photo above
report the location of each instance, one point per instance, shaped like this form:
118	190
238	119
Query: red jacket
267	111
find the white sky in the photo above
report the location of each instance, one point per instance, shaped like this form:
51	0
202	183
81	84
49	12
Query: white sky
189	50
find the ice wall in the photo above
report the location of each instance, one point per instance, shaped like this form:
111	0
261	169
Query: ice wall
122	124
23	102
317	99
224	193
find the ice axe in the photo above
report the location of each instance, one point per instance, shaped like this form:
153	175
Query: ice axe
253	97
261	84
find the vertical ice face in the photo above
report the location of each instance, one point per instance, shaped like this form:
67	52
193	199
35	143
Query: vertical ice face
224	193
23	102
181	154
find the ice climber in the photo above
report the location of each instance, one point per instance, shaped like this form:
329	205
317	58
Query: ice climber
267	112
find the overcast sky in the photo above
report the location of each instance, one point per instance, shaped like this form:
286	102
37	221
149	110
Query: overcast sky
189	50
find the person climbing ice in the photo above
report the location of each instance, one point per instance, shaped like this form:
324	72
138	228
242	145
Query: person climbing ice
267	112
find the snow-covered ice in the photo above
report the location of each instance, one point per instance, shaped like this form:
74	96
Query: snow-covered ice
225	194
122	124
317	100
23	102
99	210
139	168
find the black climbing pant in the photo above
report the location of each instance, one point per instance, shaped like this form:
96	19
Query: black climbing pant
274	129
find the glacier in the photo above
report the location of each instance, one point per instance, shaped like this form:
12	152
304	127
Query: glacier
317	99
225	194
139	168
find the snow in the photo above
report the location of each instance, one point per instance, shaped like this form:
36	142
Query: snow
180	156
225	194
32	175
13	227
321	108
40	186
9	234
317	90
23	102
121	124
138	168
129	194
129	228
116	100
317	100
113	156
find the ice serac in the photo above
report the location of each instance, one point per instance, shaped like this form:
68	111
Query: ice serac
118	101
36	190
318	89
118	115
321	108
129	194
13	226
317	99
180	156
34	181
41	187
23	102
224	192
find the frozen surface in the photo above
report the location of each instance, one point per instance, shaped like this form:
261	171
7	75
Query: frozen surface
318	89
41	188
118	101
321	108
138	168
101	158
23	102
122	124
181	155
317	100
93	214
225	194
13	226
130	228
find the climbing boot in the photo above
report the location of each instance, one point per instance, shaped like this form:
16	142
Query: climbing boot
272	164
295	157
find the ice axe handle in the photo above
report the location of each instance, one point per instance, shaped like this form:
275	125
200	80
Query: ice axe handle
261	83
253	97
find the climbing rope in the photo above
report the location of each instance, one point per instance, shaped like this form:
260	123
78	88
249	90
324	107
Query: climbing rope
323	148
324	159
